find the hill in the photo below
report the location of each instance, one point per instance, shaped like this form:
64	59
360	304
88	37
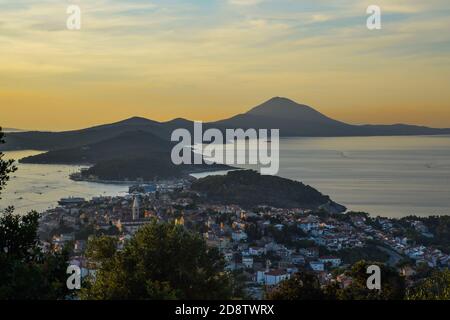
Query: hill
126	145
248	189
144	168
130	155
39	140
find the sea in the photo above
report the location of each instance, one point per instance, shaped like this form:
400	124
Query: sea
384	176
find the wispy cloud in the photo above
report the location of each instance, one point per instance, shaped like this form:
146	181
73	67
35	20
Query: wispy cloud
245	2
236	50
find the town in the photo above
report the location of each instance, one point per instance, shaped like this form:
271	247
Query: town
262	246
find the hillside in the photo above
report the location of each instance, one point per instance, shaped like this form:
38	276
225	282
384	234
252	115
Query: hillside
131	155
145	168
124	146
39	140
248	189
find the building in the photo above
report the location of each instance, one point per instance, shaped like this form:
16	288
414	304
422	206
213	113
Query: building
136	208
131	226
334	261
239	236
71	201
317	265
272	277
298	259
256	251
247	262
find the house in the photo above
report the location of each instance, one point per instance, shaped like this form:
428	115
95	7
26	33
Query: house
312	252
131	226
272	246
247	262
334	261
272	277
309	223
317	265
298	259
256	251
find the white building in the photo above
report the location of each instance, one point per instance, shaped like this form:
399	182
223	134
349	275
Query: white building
272	277
256	251
335	262
317	265
247	262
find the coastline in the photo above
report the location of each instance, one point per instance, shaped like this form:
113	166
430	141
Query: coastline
389	177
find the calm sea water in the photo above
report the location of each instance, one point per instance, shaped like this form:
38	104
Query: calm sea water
386	176
39	186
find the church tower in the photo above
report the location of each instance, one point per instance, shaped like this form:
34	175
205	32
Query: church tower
135	209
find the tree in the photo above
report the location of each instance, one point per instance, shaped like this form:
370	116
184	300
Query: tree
392	284
161	261
101	248
436	287
6	166
302	286
25	271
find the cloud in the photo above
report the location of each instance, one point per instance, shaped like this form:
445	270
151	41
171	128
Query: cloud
146	50
244	2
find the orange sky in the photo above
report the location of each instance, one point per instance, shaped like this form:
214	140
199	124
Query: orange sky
212	61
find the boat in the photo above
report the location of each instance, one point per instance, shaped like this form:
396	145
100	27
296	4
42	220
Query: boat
71	201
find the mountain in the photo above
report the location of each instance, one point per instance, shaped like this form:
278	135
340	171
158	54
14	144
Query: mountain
248	189
298	120
293	120
140	148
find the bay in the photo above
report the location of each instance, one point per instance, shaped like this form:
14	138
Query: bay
386	176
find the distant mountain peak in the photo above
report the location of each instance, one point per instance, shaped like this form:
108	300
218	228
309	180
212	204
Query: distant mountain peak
136	120
178	121
280	100
284	108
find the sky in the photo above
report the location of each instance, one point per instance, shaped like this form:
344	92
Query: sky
212	59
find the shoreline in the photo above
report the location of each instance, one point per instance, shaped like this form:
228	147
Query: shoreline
189	176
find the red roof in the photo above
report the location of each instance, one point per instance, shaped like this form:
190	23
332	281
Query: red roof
278	272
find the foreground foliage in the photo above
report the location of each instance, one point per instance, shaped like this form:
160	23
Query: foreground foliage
26	272
306	286
161	261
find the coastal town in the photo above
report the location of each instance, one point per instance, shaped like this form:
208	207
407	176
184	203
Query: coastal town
262	246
